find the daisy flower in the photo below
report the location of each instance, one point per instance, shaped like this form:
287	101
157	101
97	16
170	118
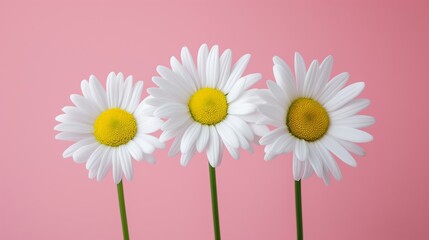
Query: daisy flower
110	127
206	105
313	118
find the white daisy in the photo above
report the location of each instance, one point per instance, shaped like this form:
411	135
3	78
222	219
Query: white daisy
313	117
109	127
206	106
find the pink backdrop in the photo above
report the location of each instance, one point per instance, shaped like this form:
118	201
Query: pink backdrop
47	48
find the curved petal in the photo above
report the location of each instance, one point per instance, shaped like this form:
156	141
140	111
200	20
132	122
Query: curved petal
338	150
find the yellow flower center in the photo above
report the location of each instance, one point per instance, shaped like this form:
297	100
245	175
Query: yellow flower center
208	106
115	127
307	119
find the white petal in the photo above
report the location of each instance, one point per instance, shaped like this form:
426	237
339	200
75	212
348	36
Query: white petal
244	143
95	157
74	147
298	168
73	114
325	70
92	173
145	110
227	135
273	112
251	79
173	83
85	105
280	63
134	150
301	150
308	170
105	164
225	68
120	87
163	94
98	92
326	177
71	136
352	147
214	148
170	110
338	150
212	67
259	130
152	140
310	82
203	139
314	159
82	154
74	127
300	72
241	109
176	122
116	166
144	146
345	96
240	127
127	166
243	135
187	81
237	71
236	90
111	89
149	124
234	152
189	65
128	88
190	137
333	87
350	109
278	94
175	146
136	97
84	86
203	53
285	80
356	121
328	160
350	134
288	143
168	134
272	136
279	146
186	157
154	101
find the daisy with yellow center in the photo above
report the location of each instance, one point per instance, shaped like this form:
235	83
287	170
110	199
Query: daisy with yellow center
207	107
313	117
109	127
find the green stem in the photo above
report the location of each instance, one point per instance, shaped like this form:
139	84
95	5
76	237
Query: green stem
123	212
298	206
215	208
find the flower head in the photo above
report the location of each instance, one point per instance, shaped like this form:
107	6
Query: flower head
206	106
313	117
109	127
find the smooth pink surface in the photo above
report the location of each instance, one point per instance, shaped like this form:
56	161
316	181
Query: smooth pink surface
47	48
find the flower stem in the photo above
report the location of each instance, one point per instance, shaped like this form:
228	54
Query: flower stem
215	208
298	207
123	212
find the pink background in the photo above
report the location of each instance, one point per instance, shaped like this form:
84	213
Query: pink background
47	48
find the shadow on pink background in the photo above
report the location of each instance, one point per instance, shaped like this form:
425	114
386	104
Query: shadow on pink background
47	48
